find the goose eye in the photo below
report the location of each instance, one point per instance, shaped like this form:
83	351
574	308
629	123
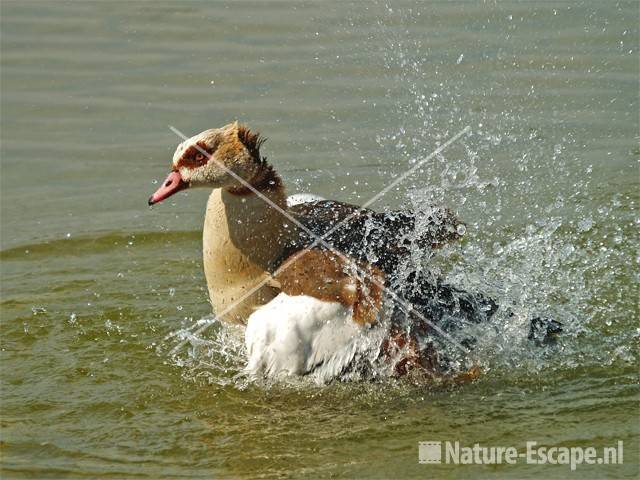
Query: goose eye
199	157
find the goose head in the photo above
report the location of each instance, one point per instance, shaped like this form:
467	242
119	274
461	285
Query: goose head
227	157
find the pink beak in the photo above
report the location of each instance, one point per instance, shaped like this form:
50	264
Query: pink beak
172	184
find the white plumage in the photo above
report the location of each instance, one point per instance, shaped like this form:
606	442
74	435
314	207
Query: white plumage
299	335
298	198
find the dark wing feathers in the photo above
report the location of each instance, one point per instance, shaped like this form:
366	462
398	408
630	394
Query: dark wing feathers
380	238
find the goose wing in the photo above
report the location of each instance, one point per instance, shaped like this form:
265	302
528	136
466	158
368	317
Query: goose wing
380	238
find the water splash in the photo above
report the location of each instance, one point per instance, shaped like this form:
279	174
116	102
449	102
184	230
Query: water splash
208	351
542	237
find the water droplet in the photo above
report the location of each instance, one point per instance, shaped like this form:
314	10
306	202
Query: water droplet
585	225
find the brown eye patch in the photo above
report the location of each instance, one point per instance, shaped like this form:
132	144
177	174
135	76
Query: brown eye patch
194	157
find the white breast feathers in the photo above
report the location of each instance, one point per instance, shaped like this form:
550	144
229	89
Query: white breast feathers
298	335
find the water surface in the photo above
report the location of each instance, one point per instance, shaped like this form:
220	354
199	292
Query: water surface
101	372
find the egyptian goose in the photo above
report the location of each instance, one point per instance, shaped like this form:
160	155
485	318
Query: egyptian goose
308	309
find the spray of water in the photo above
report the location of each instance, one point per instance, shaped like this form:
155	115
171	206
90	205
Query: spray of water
542	238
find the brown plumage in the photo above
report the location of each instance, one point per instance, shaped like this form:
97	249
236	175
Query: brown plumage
333	278
252	141
266	180
194	156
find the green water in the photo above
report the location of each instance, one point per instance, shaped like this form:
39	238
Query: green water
98	289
